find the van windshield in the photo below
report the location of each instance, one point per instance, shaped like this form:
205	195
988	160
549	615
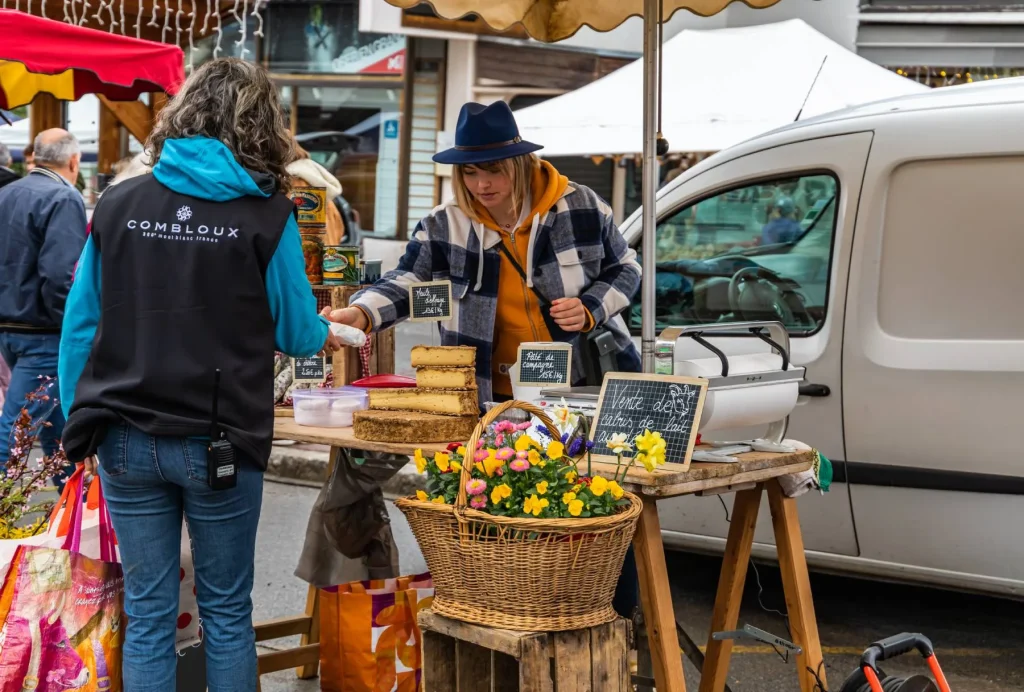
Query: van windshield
758	252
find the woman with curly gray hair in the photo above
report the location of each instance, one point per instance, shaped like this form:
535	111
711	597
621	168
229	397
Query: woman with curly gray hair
167	356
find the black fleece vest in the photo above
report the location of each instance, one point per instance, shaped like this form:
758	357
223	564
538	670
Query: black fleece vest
183	294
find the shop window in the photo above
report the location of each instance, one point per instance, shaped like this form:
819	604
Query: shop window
759	252
356	138
325	38
951	249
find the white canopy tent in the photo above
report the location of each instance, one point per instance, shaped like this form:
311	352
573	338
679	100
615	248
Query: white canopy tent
720	87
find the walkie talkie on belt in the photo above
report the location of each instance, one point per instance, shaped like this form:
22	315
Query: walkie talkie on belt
221	471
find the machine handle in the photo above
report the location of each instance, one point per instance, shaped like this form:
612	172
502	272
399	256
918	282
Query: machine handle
894	646
818	390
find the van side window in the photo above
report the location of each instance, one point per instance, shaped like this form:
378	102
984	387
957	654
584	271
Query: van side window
760	252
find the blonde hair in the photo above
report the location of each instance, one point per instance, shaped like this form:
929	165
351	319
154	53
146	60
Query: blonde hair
519	170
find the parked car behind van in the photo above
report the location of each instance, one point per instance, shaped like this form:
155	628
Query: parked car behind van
888	239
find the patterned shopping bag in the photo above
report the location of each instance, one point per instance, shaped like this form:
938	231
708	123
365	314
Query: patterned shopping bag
61	623
369	639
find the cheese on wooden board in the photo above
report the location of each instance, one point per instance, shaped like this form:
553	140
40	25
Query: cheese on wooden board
445	401
411	427
446	378
444	356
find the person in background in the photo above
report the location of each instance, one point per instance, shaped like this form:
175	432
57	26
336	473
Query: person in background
531	257
43	223
782	227
306	171
192	277
6	174
28	156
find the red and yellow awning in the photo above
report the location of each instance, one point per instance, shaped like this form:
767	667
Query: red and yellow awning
45	56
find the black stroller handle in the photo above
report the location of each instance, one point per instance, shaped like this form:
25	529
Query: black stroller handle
894	646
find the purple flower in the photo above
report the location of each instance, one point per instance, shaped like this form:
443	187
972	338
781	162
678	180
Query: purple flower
590	445
543	431
576	447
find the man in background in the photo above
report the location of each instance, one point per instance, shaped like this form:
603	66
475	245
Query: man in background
44	226
28	155
6	174
783	226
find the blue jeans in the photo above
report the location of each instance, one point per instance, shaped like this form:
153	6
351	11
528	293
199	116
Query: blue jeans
149	483
31	357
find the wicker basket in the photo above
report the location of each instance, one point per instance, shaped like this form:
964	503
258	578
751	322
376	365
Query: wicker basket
541	575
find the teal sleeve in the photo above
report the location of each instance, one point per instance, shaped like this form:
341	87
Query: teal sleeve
81	317
298	330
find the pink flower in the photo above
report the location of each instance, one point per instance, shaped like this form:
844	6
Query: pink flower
500	471
499	440
506	453
504	427
523	426
520	465
522	455
478	502
479	444
480	455
476	486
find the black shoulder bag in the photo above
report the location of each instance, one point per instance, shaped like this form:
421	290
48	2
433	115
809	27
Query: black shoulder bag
598	345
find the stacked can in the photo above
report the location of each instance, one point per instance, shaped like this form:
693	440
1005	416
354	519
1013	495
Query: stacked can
311	205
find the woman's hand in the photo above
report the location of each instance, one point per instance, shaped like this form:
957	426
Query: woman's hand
353	317
569	314
332	343
91	466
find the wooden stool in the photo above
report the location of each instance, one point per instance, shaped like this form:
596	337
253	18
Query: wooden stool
460	657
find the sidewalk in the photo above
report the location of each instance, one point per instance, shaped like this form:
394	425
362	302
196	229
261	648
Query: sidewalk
306	464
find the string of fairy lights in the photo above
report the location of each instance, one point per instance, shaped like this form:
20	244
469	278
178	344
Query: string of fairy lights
172	17
947	76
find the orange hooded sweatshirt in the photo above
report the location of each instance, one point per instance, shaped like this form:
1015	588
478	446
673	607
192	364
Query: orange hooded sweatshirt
519	317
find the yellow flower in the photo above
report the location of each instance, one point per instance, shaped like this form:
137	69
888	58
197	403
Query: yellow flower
533	457
492	463
500	492
571	476
421	463
461	451
542	488
533	505
456	466
421	496
441	459
524	443
598	486
439	500
649	442
576	488
616	490
568	497
556	450
575	507
479	467
617	443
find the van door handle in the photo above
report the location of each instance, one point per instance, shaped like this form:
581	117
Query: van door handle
814	390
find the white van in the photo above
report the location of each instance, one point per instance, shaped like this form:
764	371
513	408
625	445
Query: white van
889	239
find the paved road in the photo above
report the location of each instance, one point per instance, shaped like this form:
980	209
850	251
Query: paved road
979	640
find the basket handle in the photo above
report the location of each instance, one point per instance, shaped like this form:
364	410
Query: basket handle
490	417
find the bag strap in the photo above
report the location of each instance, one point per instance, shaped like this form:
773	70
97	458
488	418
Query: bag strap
64	502
515	263
108	541
73	541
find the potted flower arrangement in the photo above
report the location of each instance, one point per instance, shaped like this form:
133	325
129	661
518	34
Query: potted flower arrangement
519	504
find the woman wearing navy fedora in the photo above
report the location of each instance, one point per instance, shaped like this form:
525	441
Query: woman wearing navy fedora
530	255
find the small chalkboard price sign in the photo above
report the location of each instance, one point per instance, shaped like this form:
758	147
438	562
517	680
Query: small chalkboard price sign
430	301
544	364
309	369
632	403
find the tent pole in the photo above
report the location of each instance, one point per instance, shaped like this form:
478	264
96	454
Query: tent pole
652	49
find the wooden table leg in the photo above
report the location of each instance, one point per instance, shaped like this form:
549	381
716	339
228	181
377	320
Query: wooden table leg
730	588
797	585
656	596
311	670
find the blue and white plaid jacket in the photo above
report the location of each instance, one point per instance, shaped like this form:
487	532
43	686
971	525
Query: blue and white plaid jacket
578	252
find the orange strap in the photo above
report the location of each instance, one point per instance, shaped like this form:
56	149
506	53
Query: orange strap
65	518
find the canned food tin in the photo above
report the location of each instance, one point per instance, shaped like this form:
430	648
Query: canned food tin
312	206
341	265
313	252
369	271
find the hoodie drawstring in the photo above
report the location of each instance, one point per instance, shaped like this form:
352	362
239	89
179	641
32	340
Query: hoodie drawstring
478	227
529	250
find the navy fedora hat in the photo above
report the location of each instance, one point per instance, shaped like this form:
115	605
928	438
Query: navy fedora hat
485	134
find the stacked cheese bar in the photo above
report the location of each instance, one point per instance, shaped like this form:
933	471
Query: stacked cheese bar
443	407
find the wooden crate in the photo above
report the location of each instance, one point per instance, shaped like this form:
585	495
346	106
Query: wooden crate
460	657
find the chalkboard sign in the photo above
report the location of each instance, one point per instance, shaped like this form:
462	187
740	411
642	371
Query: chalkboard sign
430	301
631	403
544	364
309	369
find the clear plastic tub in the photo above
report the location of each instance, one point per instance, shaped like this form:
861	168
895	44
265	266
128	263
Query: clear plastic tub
328	408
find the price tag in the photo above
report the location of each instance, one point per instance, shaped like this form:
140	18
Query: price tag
545	364
430	301
309	369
